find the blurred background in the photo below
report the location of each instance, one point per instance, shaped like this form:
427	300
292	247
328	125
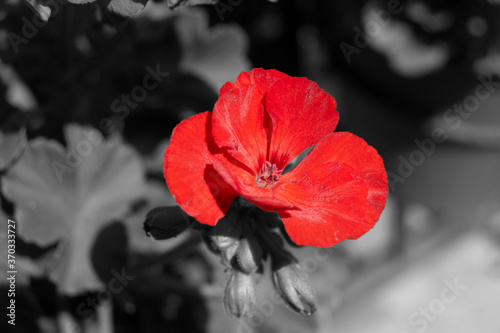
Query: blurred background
90	93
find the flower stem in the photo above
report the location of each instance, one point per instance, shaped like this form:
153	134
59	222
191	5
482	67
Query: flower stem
274	245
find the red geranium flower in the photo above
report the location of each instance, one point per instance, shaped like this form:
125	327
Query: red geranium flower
258	125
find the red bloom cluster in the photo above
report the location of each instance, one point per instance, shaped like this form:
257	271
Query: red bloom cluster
259	124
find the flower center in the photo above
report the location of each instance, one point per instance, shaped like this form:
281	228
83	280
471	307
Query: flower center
268	175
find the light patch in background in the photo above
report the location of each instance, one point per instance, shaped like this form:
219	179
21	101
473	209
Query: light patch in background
468	260
428	20
18	94
405	54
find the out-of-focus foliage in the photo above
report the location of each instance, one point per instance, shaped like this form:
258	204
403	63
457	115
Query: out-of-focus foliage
67	195
126	8
105	61
81	213
176	3
213	54
407	51
11	146
64	62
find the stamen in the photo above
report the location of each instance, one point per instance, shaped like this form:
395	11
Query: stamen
268	175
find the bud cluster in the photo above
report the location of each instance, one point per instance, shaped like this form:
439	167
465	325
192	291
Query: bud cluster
243	239
241	254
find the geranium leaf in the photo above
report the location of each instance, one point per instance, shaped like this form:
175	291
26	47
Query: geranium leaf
27	185
16	92
69	195
124	8
41	10
109	251
176	3
81	2
12	145
216	54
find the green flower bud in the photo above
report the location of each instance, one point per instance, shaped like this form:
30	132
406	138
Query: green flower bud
249	254
227	232
166	222
227	255
239	296
294	287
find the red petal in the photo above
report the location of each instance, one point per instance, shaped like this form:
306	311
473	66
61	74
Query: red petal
301	113
190	175
339	191
238	117
264	78
237	122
